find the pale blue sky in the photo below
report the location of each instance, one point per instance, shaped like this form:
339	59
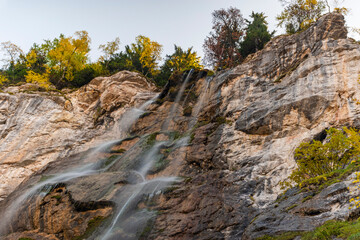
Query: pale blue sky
182	22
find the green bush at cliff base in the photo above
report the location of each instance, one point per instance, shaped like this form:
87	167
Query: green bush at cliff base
316	160
335	229
332	229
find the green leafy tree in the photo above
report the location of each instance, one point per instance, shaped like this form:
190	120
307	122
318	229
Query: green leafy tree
299	14
119	62
222	47
257	34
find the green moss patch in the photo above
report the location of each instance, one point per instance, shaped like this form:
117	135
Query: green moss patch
92	225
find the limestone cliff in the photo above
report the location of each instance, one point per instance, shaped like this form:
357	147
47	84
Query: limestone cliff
38	127
230	137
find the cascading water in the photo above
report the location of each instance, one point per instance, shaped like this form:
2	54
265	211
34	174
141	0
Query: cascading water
127	217
177	100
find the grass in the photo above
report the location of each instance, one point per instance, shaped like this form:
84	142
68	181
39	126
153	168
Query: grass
25	239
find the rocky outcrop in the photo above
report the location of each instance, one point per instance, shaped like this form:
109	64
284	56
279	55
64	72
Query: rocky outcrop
38	127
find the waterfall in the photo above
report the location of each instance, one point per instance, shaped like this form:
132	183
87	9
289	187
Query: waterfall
127	219
126	215
170	117
130	116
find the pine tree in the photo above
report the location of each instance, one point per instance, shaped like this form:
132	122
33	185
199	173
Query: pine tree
256	36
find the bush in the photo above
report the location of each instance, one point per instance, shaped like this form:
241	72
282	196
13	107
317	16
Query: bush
315	159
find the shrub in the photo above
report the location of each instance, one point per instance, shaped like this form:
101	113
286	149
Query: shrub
315	159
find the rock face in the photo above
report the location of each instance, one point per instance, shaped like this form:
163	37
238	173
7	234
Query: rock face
285	94
37	128
231	138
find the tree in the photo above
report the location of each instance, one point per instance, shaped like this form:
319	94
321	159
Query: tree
144	55
68	55
182	60
109	49
12	51
299	14
336	4
222	46
179	61
257	34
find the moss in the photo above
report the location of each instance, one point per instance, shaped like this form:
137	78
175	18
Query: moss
187	111
192	137
281	76
159	101
291	207
145	114
159	165
151	139
170	189
92	225
174	135
210	73
57	197
110	160
121	150
284	236
45	177
147	230
307	198
187	179
25	239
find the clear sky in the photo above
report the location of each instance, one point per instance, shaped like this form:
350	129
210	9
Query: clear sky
182	22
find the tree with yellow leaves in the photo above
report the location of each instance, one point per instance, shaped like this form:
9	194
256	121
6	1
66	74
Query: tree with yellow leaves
69	54
3	80
144	55
299	14
181	60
